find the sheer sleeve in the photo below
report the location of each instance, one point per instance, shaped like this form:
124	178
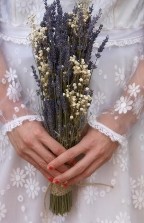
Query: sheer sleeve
12	108
117	121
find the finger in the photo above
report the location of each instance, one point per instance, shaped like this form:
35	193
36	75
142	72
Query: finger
66	156
52	144
80	167
47	156
41	163
89	171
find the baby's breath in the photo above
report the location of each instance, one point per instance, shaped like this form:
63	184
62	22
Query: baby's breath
62	47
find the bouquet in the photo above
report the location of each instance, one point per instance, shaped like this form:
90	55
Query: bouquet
62	47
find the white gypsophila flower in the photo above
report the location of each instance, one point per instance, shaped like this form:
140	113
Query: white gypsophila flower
133	89
11	75
3	211
99	98
122	218
30	170
18	177
123	105
119	76
24	7
32	188
138	105
138	199
14	91
90	194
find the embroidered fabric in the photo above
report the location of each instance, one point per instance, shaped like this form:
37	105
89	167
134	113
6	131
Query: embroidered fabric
115	137
117	105
14	107
121	42
116	120
8	127
16	40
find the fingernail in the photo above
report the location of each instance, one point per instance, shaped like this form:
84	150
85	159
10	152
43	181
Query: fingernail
50	179
74	162
65	185
56	181
50	168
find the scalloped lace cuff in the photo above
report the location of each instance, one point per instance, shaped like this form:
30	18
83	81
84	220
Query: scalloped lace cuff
115	137
9	126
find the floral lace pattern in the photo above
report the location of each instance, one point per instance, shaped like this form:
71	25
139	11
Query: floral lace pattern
106	131
137	191
8	127
24	7
13	90
25	179
115	192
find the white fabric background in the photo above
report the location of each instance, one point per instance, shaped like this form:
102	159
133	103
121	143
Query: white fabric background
22	188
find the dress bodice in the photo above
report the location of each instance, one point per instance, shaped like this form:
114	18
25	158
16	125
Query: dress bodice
116	13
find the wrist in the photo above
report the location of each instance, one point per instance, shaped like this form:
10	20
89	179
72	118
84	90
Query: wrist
106	129
111	122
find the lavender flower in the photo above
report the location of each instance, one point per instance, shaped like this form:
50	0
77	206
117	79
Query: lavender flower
62	47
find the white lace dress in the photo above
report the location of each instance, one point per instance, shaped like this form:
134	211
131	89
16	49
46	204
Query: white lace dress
116	110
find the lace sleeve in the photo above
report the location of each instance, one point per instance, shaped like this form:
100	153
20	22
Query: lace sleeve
12	108
117	121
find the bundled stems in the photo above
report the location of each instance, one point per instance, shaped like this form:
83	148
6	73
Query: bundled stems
62	47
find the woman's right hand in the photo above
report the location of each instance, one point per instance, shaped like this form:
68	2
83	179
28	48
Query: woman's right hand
35	145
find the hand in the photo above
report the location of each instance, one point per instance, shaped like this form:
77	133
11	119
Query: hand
36	146
96	148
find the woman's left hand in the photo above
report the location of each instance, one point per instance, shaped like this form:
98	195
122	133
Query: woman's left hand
96	148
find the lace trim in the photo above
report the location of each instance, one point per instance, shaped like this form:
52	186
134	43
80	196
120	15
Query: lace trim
116	42
115	137
8	127
16	40
122	42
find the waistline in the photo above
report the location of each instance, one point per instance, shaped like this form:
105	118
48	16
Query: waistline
117	37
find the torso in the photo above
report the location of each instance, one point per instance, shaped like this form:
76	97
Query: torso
117	14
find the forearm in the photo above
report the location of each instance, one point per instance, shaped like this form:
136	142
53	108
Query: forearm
13	111
127	109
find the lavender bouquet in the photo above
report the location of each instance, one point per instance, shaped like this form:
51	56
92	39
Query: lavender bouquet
62	47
